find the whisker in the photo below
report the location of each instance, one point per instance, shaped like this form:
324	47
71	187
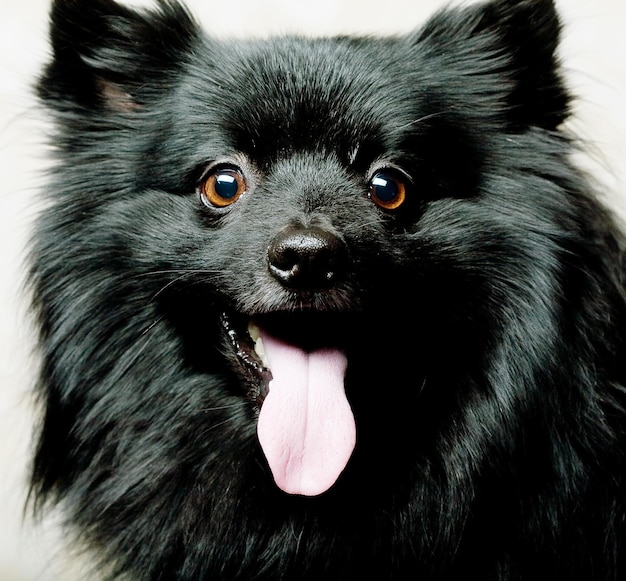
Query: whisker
421	119
151	326
131	357
360	225
170	283
222	407
181	271
218	425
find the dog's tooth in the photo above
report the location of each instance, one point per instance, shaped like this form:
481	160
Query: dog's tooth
259	348
253	331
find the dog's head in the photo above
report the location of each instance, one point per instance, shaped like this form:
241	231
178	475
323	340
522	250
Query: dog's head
320	229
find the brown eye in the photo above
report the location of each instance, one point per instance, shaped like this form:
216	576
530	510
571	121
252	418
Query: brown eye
222	187
387	190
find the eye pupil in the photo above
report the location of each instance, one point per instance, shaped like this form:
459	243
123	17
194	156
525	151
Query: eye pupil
226	185
222	187
387	190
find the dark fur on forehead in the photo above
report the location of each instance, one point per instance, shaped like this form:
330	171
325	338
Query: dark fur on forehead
467	73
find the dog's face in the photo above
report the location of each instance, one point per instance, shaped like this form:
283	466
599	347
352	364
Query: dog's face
283	199
308	238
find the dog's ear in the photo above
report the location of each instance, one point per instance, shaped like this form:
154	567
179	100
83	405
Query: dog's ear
106	55
506	49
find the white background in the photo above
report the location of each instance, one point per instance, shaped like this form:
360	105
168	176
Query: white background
594	53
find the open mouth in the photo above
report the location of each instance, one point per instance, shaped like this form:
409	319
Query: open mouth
308	331
297	364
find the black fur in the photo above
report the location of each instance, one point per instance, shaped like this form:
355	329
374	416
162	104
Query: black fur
484	320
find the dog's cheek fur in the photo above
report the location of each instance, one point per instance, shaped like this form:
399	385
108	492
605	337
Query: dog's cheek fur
483	436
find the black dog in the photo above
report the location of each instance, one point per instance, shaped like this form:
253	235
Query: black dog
396	223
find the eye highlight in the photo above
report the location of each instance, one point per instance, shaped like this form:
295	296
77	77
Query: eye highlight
222	187
387	190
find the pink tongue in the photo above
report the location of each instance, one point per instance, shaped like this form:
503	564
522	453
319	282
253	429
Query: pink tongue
306	427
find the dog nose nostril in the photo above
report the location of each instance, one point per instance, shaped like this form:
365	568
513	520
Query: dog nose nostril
306	258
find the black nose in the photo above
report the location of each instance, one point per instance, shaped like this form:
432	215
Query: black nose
307	258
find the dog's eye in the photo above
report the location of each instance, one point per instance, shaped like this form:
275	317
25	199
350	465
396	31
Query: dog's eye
222	187
387	190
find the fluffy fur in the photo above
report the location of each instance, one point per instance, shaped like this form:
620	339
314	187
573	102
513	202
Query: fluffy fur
484	321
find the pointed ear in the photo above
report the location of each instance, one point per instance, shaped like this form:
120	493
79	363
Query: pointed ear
515	41
106	55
